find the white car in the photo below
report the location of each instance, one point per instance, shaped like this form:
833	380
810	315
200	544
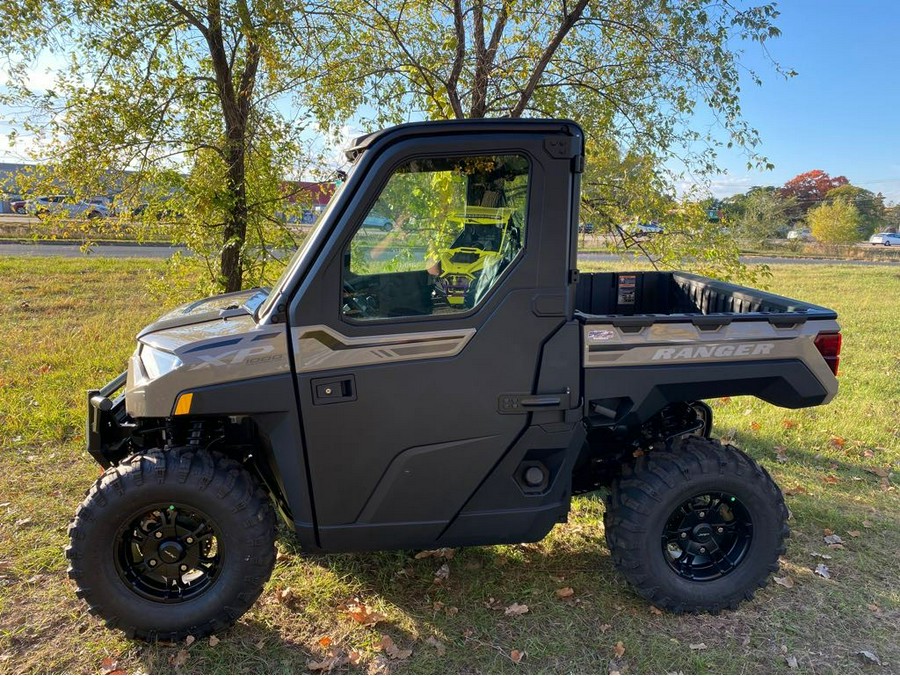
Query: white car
802	234
54	204
651	228
885	238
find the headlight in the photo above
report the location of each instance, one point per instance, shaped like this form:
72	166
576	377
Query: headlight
158	363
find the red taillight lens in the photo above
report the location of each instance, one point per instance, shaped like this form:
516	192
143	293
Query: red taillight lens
829	346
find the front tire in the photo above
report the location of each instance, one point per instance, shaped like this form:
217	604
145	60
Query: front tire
697	527
172	543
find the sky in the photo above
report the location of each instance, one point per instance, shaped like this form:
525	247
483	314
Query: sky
841	113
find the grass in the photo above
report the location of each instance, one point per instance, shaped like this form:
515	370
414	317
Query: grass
69	324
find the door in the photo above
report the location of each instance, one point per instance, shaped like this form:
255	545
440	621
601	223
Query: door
414	343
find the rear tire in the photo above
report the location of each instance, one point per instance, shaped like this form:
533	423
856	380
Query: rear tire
697	527
172	543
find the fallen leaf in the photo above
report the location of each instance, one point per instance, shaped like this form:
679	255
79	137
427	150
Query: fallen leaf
827	531
821	556
565	592
784	581
870	656
697	646
282	556
755	426
781	454
619	649
493	604
45	368
364	615
791	661
837	442
829	479
452	610
605	628
516	656
441	574
516	609
285	596
392	650
788	424
822	571
874	607
724	400
655	610
878	471
833	539
21	523
325	641
867	524
328	664
439	647
796	490
854	533
442	553
260	644
189	640
355	658
836	546
179	659
108	665
214	641
379	665
868	453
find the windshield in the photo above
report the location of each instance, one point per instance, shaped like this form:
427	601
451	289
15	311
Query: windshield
311	238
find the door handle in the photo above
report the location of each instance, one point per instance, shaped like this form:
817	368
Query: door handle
333	390
525	403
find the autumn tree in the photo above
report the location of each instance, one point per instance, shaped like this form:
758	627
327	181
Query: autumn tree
870	206
809	190
835	222
631	72
182	95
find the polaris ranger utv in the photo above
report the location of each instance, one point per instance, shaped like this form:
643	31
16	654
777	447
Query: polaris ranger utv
355	401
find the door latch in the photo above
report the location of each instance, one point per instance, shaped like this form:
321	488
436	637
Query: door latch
334	389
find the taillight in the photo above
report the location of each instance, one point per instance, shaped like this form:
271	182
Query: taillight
829	346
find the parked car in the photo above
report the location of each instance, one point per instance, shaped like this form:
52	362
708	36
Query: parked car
650	228
18	206
586	228
54	204
800	234
378	222
885	238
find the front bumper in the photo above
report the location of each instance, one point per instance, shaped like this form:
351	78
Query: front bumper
108	425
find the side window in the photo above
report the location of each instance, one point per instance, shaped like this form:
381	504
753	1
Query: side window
437	238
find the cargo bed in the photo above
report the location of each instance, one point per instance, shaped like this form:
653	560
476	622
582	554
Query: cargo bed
643	298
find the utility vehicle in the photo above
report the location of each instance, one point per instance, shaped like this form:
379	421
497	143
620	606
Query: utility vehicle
370	414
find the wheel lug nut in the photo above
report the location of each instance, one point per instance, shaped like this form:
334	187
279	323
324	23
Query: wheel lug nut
683	535
702	514
703	550
157	535
152	562
189	540
182	567
720	530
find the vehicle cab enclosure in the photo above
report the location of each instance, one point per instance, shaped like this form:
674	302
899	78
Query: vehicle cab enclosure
379	410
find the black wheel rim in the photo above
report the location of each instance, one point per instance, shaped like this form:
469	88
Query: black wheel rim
169	553
707	536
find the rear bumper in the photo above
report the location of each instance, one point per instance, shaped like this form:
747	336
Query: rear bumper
108	426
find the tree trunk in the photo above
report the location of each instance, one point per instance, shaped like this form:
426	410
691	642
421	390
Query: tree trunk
235	231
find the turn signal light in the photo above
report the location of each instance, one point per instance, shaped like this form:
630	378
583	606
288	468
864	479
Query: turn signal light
829	346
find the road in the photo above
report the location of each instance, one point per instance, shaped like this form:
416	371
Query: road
160	251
